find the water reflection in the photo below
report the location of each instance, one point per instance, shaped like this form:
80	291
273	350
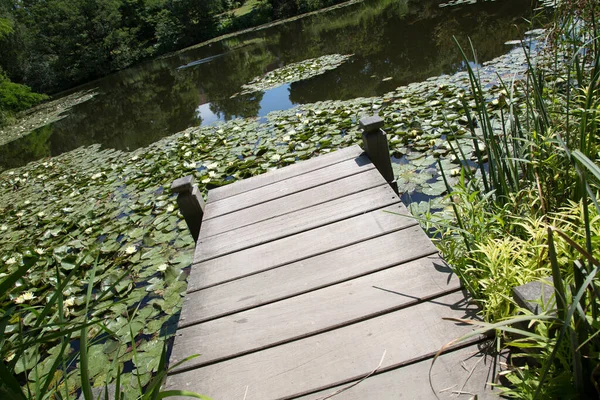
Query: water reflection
405	40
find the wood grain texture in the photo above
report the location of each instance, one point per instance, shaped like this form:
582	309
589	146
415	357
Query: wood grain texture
298	247
294	202
310	313
451	374
306	275
333	357
294	222
289	186
299	168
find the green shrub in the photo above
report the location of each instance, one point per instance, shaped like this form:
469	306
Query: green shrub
15	97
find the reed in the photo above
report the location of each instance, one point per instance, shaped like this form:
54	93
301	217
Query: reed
531	210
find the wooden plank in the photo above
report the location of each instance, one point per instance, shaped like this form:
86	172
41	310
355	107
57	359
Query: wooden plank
294	222
297	247
451	373
334	357
297	201
314	312
306	275
281	174
289	186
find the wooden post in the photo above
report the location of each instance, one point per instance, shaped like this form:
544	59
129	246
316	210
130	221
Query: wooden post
376	145
190	203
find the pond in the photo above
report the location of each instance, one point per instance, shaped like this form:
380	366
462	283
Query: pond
392	43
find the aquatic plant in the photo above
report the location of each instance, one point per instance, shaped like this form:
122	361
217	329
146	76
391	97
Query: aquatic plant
294	72
531	210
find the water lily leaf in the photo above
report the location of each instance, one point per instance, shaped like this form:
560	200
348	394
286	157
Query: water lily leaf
28	360
434	189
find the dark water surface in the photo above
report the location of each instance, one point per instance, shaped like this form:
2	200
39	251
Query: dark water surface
406	40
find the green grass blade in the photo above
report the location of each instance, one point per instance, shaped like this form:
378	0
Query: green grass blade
86	387
10	383
173	393
587	163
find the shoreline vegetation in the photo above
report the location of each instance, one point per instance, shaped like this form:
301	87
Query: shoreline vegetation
500	161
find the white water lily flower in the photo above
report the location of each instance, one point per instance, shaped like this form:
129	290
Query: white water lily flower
9	357
96	176
10	261
207	180
212	165
2	275
170	208
187	154
40	251
27	202
162	267
276	157
131	249
41	214
24	297
20	214
70	302
3	228
88	231
212	174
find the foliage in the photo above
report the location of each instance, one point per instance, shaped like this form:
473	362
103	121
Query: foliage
294	72
56	44
288	8
56	375
15	98
531	209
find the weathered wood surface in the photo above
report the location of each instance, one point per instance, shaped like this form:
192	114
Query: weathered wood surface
297	201
294	317
309	274
294	222
284	173
451	378
298	247
303	278
289	186
334	357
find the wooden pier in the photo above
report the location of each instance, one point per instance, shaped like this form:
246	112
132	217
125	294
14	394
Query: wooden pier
306	284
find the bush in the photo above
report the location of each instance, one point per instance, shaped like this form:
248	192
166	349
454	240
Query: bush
15	97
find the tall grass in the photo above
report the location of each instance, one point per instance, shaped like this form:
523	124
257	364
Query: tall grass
531	210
